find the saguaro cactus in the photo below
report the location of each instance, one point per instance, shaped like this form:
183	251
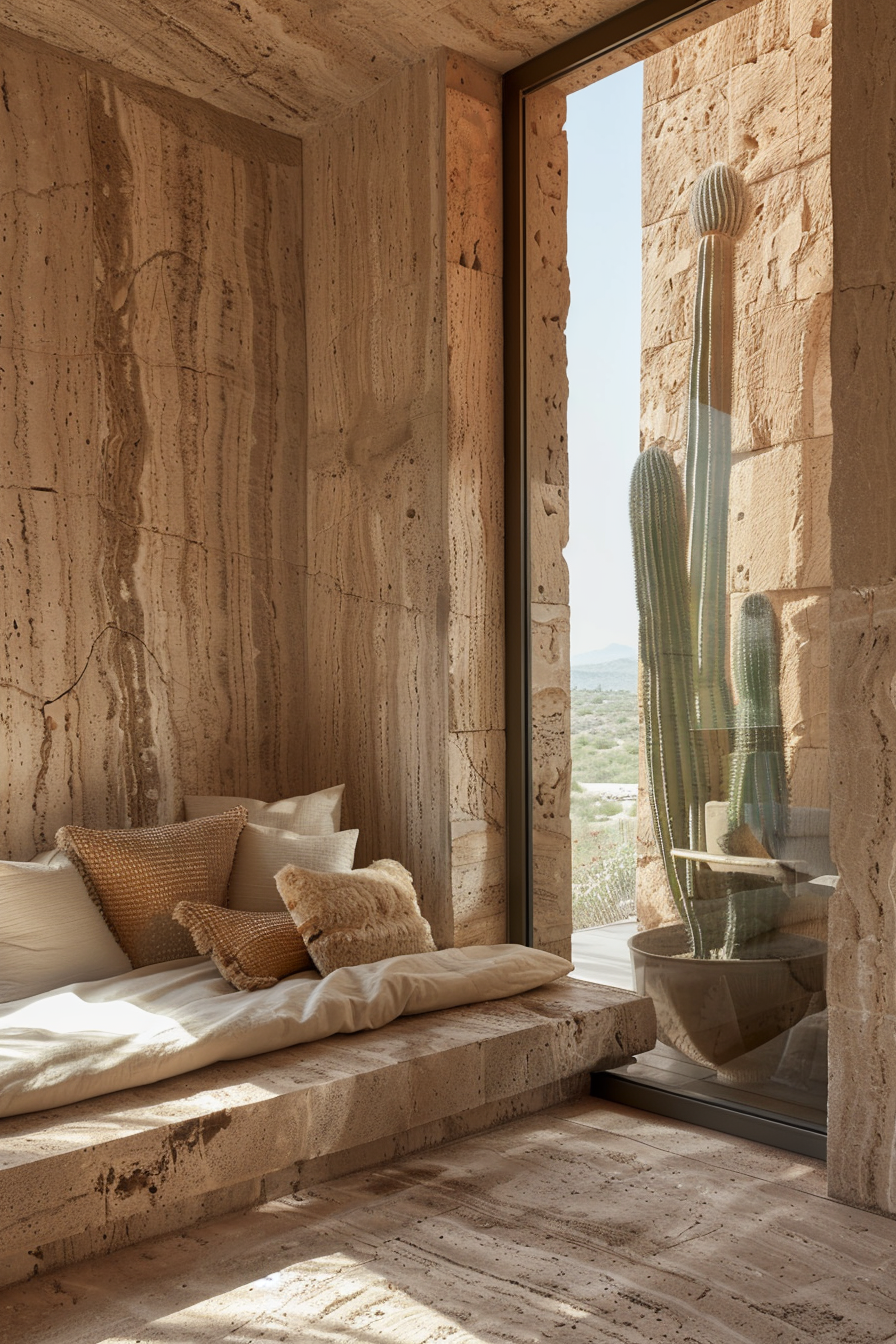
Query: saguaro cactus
757	777
717	209
676	780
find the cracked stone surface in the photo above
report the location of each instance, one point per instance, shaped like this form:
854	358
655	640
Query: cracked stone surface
151	420
589	1221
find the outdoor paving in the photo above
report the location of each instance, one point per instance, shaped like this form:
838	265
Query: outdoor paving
588	1222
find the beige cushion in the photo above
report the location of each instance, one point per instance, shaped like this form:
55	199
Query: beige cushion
252	949
311	814
263	850
350	919
51	933
137	878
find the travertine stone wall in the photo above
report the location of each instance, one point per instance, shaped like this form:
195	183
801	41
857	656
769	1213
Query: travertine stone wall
475	496
862	969
404	689
285	65
151	451
754	92
547	300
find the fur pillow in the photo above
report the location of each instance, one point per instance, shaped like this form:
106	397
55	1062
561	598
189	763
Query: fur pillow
137	877
348	919
252	949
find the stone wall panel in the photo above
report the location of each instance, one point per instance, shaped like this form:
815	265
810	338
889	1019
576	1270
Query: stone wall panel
152	413
677	146
779	530
547	390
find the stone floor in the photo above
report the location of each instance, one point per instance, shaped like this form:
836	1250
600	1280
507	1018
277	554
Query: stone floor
588	1222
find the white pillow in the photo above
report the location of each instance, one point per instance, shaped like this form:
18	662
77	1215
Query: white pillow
51	933
263	850
310	814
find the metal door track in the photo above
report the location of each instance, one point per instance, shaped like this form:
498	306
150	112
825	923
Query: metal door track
731	1118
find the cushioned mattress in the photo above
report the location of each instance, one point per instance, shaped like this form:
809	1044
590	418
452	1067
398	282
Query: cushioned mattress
96	1037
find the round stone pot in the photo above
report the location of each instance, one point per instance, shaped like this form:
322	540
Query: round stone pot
716	1011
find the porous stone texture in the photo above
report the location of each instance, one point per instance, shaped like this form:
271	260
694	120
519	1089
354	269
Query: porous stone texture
862	965
475	501
547	300
405	472
152	414
753	92
589	1222
378	591
287	65
89	1178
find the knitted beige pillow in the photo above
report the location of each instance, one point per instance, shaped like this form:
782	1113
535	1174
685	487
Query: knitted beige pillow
252	949
348	919
137	877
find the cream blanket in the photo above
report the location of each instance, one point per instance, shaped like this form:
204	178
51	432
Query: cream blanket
97	1037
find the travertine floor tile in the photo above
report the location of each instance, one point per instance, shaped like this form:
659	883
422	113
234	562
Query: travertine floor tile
589	1222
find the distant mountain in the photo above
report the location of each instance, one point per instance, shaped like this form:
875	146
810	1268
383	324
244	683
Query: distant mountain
620	674
611	654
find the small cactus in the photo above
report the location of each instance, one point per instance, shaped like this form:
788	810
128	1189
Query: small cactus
717	209
758	778
676	781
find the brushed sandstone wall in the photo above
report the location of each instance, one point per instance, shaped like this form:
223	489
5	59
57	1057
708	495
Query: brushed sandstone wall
862	970
152	432
547	301
754	92
404	624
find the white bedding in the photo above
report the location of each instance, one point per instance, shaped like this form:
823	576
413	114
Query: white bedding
97	1037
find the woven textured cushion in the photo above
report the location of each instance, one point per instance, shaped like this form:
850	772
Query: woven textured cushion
51	933
263	850
348	919
137	878
310	814
253	949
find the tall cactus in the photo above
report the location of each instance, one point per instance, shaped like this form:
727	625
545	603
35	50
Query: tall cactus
676	778
757	777
717	210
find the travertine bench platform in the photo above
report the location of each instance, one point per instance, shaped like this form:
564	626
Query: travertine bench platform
86	1179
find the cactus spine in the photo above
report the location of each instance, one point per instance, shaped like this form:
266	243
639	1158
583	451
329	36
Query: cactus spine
758	778
717	209
676	781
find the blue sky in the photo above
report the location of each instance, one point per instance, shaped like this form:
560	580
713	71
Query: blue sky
604	352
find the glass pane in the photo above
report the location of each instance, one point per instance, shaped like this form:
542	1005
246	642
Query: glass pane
699	250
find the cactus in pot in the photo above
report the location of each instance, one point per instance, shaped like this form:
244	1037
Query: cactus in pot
758	777
676	775
717	210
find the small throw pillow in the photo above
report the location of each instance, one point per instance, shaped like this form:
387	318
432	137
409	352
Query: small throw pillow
137	878
252	949
348	919
263	850
51	933
311	814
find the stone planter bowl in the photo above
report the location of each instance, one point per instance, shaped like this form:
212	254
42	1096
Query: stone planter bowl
716	1011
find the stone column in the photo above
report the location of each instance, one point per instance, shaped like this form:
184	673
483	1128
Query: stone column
548	303
862	975
405	508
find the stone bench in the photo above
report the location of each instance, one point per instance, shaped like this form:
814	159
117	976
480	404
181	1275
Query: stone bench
86	1179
